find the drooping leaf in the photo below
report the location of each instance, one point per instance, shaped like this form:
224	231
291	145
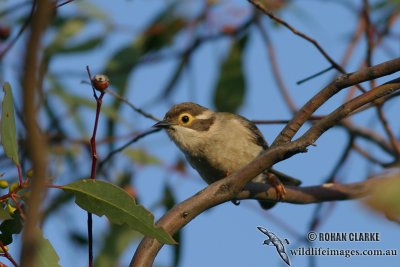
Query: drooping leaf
46	255
93	10
8	129
121	64
115	243
161	33
103	198
230	90
142	157
162	29
10	227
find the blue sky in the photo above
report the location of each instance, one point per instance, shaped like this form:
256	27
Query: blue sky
227	235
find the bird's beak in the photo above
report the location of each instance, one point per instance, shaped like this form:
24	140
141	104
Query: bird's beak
162	124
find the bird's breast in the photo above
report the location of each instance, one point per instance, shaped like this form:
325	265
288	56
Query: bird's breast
218	158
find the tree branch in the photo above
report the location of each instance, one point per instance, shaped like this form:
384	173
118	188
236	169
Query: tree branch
35	139
341	82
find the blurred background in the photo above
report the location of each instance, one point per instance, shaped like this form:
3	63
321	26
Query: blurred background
225	55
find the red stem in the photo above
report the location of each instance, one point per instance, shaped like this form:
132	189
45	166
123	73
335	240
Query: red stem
7	255
99	101
19	175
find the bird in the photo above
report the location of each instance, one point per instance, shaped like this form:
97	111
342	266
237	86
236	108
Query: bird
217	144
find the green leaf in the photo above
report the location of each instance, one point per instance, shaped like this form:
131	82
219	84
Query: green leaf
4	214
162	29
103	198
67	30
116	242
121	64
10	227
8	130
230	90
161	32
140	156
46	255
84	46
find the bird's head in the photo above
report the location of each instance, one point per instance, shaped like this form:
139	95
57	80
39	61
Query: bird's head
188	124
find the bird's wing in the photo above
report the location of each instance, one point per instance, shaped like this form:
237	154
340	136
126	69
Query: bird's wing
255	132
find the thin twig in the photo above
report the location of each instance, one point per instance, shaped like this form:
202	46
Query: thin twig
64	3
121	148
333	88
8	255
126	101
314	75
388	130
367	155
20	32
312	118
270	14
99	101
275	68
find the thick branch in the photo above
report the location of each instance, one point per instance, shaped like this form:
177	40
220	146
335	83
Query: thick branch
313	194
343	81
35	139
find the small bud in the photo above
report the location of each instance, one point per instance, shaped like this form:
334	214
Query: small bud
14	186
100	82
29	174
11	209
4	33
3	184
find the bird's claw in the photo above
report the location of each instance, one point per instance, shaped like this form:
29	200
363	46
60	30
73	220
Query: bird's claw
280	189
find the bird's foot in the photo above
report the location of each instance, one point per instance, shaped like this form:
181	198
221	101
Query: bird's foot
280	189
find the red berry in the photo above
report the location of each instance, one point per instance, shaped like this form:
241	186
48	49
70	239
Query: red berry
100	82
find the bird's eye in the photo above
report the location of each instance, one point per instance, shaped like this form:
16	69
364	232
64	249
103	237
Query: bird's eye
185	118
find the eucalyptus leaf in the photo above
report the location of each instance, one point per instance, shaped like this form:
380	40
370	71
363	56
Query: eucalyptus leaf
117	240
4	214
46	255
103	198
141	156
8	129
10	227
230	90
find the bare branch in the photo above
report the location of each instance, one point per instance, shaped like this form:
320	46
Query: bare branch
333	88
